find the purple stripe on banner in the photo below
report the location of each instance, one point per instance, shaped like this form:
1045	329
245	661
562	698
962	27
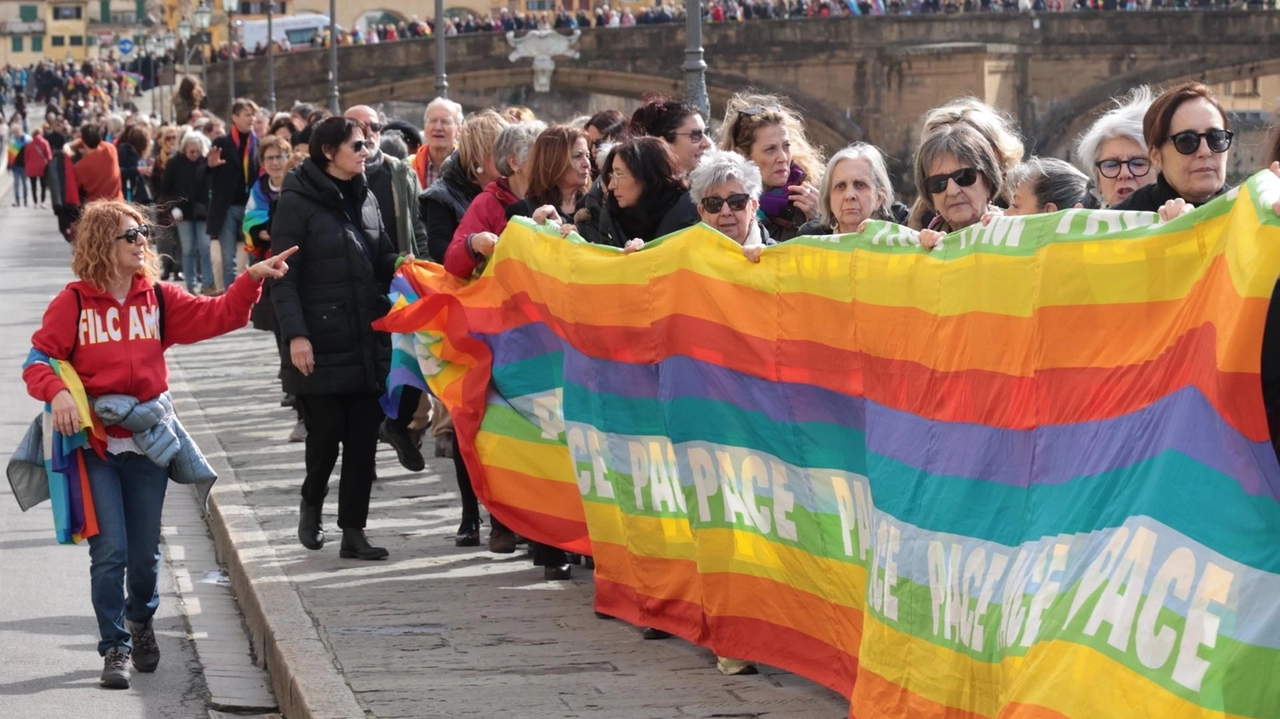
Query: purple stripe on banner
521	343
1055	454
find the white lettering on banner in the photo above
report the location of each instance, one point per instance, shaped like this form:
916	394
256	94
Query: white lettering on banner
1001	231
1201	629
1119	601
705	484
754	474
892	234
854	508
1098	571
584	446
1155	645
664	480
639	472
1012	614
783	502
1048	573
960	592
888	542
735	509
548	409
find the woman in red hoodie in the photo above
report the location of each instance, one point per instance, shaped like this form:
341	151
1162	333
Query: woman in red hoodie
113	330
38	154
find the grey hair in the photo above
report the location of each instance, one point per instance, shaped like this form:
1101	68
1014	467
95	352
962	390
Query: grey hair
1123	120
194	137
720	166
969	147
454	108
879	177
392	143
1052	180
516	139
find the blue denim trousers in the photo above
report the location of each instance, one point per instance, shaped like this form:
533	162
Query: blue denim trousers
19	185
128	496
232	233
196	260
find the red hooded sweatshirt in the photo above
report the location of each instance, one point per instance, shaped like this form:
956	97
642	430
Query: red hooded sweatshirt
116	348
487	213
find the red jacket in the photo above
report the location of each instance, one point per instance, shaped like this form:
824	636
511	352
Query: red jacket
487	213
99	174
116	348
37	155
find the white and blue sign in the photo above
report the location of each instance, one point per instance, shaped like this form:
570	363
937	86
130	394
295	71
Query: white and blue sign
125	46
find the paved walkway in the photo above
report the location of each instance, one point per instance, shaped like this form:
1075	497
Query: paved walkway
439	631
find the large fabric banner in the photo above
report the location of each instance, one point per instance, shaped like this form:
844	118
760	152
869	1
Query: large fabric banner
1027	474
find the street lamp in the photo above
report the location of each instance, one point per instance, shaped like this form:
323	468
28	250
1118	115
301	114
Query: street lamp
442	80
230	7
170	43
184	34
271	59
149	44
695	68
202	17
333	58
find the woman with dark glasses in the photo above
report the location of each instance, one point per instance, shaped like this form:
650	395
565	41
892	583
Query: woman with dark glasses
726	187
1188	136
338	364
112	326
1113	151
763	130
957	176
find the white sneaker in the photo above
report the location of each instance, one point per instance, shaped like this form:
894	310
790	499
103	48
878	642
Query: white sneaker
733	667
299	433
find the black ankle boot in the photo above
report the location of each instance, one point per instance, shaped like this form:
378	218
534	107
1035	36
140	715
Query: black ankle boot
356	546
557	573
310	533
468	533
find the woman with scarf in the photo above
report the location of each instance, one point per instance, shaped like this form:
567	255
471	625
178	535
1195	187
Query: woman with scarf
273	156
762	129
647	195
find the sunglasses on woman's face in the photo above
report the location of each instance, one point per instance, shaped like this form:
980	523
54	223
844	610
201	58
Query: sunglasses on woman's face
358	145
132	234
737	202
937	184
1188	142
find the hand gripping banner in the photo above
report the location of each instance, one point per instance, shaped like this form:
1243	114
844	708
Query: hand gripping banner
1025	475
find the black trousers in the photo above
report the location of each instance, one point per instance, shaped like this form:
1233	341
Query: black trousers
349	420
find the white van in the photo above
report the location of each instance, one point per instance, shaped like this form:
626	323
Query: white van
298	28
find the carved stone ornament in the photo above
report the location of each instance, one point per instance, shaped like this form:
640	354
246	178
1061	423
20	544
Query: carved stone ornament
542	45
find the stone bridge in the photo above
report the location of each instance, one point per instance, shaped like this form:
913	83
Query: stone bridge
867	78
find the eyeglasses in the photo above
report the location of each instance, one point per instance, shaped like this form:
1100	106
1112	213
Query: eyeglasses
277	158
1110	169
937	184
695	136
737	202
445	122
374	127
1188	142
358	145
132	234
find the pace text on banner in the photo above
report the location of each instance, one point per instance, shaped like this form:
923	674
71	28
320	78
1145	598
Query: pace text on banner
1028	474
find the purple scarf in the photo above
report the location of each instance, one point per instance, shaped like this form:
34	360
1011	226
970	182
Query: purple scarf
774	201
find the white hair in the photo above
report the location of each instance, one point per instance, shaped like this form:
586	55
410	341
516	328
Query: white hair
194	137
720	166
454	109
516	139
1124	120
879	176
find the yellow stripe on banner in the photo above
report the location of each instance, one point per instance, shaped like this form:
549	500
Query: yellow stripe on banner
1263	251
68	375
545	461
1070	678
647	536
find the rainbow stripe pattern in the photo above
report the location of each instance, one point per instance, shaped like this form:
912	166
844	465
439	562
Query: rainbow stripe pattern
1026	475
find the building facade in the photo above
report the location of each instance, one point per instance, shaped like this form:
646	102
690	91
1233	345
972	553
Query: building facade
31	31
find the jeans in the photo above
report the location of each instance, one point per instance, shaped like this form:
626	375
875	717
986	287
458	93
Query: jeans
195	254
128	495
231	235
349	420
19	186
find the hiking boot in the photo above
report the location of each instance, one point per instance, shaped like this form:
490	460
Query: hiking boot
115	669
299	433
146	653
409	456
444	446
502	540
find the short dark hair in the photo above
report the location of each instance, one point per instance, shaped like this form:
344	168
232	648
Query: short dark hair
91	134
302	109
608	123
241	103
660	116
329	134
651	162
1155	124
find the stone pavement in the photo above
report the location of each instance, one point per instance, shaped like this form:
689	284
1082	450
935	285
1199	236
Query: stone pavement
436	631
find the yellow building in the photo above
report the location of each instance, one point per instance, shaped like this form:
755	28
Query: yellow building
32	30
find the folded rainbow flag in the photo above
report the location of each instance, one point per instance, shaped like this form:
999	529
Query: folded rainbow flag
1025	475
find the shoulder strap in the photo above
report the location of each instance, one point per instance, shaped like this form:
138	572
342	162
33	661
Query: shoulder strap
76	337
159	307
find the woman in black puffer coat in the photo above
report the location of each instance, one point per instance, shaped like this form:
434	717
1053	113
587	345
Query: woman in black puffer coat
338	287
647	196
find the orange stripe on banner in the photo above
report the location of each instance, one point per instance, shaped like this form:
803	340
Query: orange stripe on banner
880	698
548	496
1017	710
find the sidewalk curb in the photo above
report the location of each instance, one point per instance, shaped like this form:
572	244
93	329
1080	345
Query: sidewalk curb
307	682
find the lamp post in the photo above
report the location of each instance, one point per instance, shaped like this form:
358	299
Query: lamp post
442	79
271	58
333	58
170	43
149	44
184	34
202	17
230	7
695	68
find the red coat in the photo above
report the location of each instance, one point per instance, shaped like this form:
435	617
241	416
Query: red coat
36	155
99	174
116	349
487	213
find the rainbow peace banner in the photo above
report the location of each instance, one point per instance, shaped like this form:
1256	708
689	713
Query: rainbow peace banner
1025	475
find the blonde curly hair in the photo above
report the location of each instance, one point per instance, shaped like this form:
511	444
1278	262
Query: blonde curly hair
747	112
93	256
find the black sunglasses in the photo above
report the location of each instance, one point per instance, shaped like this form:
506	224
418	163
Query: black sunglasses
358	145
1110	169
695	136
751	112
737	202
1188	142
132	234
374	127
937	184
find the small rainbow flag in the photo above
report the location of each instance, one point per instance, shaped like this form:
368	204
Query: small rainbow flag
1025	476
